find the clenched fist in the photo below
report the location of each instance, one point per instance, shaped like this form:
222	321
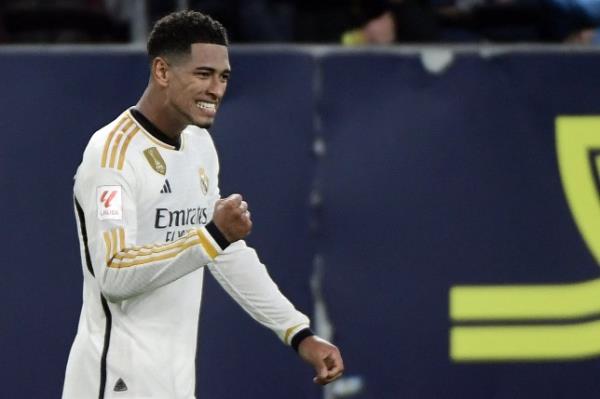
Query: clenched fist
324	357
232	217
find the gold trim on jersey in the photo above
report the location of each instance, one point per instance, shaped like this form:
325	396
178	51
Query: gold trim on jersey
156	258
125	145
148	250
108	246
289	331
115	149
156	141
117	256
122	238
117	142
109	139
153	139
207	245
114	241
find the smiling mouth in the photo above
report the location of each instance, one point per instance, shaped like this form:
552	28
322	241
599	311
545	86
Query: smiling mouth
206	105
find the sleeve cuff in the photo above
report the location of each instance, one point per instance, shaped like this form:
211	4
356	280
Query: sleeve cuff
216	234
300	336
211	240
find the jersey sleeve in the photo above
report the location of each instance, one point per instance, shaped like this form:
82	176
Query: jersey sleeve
240	272
122	266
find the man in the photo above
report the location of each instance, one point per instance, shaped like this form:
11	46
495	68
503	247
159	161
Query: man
150	220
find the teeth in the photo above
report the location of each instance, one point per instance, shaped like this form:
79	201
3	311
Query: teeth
205	105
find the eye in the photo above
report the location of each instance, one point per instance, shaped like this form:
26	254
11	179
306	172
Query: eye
203	74
225	77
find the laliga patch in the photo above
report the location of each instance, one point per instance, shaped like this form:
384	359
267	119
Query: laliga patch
109	202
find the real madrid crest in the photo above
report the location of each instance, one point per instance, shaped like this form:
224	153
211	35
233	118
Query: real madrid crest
155	160
203	181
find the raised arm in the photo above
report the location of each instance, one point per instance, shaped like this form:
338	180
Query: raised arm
107	208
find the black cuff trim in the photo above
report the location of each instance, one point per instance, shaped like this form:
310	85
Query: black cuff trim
214	231
299	337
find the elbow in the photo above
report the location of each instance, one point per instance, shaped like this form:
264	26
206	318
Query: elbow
113	297
113	294
112	289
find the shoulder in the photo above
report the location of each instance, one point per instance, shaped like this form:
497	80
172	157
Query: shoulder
196	134
106	159
198	139
108	147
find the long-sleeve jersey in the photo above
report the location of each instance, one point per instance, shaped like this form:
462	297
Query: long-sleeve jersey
144	211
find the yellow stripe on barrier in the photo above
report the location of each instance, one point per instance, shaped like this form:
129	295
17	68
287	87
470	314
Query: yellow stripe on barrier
576	136
578	150
525	343
518	302
576	139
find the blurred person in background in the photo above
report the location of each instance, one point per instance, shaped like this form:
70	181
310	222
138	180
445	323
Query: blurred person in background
60	21
380	22
464	21
314	21
577	21
3	36
247	21
350	22
547	21
395	21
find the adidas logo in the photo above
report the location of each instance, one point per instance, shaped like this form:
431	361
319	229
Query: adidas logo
120	386
166	187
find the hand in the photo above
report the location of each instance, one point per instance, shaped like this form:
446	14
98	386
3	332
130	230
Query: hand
381	30
324	357
232	217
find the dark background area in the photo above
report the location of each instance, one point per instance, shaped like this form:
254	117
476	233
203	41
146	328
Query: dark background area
428	181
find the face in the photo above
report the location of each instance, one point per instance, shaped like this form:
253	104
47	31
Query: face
197	83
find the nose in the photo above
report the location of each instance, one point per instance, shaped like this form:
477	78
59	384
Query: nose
217	87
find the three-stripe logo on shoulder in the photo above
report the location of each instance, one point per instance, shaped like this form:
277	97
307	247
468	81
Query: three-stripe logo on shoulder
117	142
166	187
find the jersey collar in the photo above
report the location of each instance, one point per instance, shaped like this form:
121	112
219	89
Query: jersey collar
153	130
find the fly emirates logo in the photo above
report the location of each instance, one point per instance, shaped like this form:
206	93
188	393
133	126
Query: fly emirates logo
175	221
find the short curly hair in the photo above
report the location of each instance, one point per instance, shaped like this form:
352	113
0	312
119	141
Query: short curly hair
174	33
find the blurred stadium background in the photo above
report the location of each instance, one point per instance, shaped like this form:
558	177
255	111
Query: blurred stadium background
434	207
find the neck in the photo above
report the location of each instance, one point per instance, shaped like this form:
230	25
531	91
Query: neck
154	108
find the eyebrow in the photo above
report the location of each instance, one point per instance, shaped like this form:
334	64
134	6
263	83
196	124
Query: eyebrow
210	69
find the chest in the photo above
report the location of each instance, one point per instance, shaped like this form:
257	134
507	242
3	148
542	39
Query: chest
176	194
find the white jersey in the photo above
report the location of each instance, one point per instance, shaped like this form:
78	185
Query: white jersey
143	211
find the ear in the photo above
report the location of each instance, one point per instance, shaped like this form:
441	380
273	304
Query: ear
160	71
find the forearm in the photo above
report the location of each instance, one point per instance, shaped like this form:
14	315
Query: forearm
239	271
131	270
